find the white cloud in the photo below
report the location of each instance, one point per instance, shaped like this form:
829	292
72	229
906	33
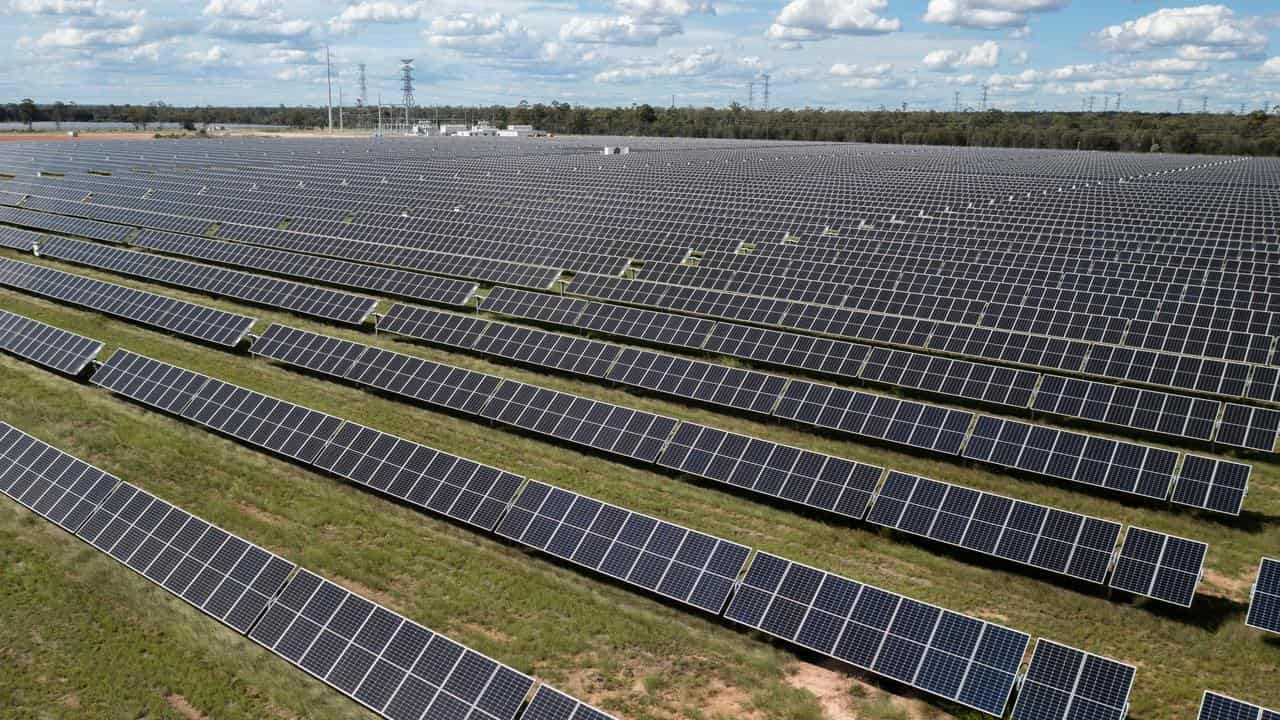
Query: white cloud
254	31
665	8
1204	29
624	30
1270	67
985	55
375	11
55	7
865	77
987	13
809	20
696	63
71	37
213	56
1021	57
493	34
243	9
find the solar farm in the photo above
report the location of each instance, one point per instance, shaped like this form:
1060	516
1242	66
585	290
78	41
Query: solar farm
508	429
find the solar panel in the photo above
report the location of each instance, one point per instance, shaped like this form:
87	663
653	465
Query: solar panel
601	425
1264	600
418	475
1043	537
432	325
390	281
692	379
655	327
780	471
226	577
551	704
555	309
1149	410
177	316
961	658
675	562
53	484
545	350
384	661
951	377
282	427
790	350
1064	683
272	292
150	382
422	380
1249	427
46	345
919	425
1160	566
1216	706
1211	484
1088	459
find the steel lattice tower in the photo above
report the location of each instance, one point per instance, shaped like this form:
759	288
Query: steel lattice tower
364	88
406	83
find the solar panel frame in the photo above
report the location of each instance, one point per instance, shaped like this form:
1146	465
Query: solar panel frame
216	571
684	565
51	483
1158	565
1035	535
783	472
1216	706
46	345
424	477
150	382
1211	484
383	660
816	609
551	704
1099	686
1264	598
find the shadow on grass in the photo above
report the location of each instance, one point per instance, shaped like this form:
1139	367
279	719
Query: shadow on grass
1207	612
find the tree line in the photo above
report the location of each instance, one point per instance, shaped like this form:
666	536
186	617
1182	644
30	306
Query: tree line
1254	133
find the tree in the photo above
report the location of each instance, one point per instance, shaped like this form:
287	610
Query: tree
27	111
139	115
59	114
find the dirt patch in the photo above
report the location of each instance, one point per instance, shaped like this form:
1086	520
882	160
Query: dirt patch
360	589
71	701
843	697
728	702
830	687
992	615
1235	588
488	632
183	707
261	515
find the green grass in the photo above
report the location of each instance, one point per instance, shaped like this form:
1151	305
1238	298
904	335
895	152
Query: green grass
635	655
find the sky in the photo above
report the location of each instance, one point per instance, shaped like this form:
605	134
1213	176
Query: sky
848	54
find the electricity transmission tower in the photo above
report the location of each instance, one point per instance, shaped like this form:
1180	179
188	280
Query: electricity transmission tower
364	89
765	77
406	86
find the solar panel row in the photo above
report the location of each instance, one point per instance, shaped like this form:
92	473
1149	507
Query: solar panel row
1160	566
257	289
386	662
421	476
961	658
1063	683
1264	599
1173	414
1216	706
46	345
176	316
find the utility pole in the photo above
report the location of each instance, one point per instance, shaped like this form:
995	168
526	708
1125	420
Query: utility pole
328	79
957	101
1091	99
1204	104
985	88
379	113
1118	96
340	108
751	94
766	92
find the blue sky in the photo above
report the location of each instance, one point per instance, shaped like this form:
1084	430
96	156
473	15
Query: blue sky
1032	54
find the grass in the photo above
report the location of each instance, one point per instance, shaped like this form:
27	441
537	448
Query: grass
635	655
